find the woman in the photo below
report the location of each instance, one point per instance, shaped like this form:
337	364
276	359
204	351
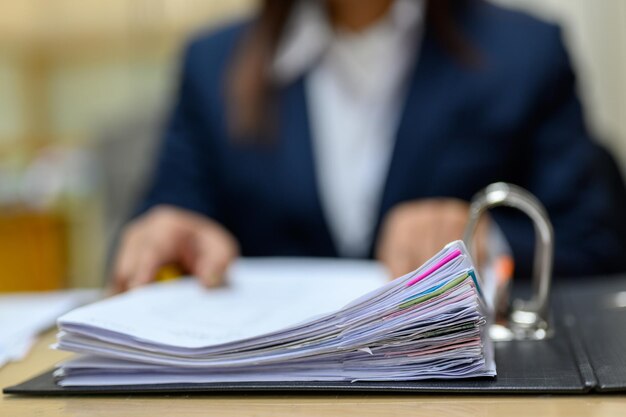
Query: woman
351	128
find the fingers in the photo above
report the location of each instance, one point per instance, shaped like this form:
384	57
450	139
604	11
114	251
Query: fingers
139	260
481	240
452	222
413	232
216	250
203	247
147	244
125	261
397	260
147	264
395	249
210	270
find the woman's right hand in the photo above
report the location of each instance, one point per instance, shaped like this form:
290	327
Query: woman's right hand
166	235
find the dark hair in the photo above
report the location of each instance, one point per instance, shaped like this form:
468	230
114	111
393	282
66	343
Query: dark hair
250	88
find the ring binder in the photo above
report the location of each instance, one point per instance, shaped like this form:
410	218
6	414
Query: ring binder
525	319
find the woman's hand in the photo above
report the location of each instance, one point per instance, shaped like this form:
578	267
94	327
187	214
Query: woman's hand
413	232
166	235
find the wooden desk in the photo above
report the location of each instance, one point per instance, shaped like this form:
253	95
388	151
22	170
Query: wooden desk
41	358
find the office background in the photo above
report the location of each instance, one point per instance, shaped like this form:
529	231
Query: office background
84	85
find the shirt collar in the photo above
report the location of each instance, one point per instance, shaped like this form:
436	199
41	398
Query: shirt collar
309	35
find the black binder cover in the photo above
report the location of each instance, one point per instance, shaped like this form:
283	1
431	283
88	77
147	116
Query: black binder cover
595	313
586	354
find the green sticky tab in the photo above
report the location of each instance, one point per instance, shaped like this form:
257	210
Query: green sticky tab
439	291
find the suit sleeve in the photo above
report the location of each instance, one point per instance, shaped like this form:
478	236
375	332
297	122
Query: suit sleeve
184	174
563	173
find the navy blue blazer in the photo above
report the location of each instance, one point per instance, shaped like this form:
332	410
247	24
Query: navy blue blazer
516	118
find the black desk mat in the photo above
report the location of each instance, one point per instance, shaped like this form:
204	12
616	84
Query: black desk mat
523	367
595	312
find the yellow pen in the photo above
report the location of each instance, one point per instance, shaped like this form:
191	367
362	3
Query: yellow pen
168	272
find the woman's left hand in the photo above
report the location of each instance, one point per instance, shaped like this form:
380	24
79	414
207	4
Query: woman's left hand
414	231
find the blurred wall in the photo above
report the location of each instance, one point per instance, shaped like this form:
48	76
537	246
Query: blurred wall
69	66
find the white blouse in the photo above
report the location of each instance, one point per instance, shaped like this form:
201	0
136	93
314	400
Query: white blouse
355	88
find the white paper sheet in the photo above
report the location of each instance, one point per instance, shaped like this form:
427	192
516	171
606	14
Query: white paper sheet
262	296
24	315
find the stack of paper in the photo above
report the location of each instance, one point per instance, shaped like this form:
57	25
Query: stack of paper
317	322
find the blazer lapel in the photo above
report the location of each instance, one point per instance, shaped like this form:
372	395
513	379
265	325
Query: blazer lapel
297	145
419	139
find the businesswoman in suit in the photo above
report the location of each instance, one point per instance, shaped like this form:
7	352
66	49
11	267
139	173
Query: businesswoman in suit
361	129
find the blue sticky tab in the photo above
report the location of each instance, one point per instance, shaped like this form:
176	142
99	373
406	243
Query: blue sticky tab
473	275
427	291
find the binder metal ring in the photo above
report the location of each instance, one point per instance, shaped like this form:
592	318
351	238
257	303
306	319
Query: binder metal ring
526	319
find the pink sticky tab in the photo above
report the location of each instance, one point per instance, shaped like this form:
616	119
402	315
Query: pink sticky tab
435	267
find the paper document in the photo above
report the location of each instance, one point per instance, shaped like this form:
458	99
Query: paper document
287	320
24	315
